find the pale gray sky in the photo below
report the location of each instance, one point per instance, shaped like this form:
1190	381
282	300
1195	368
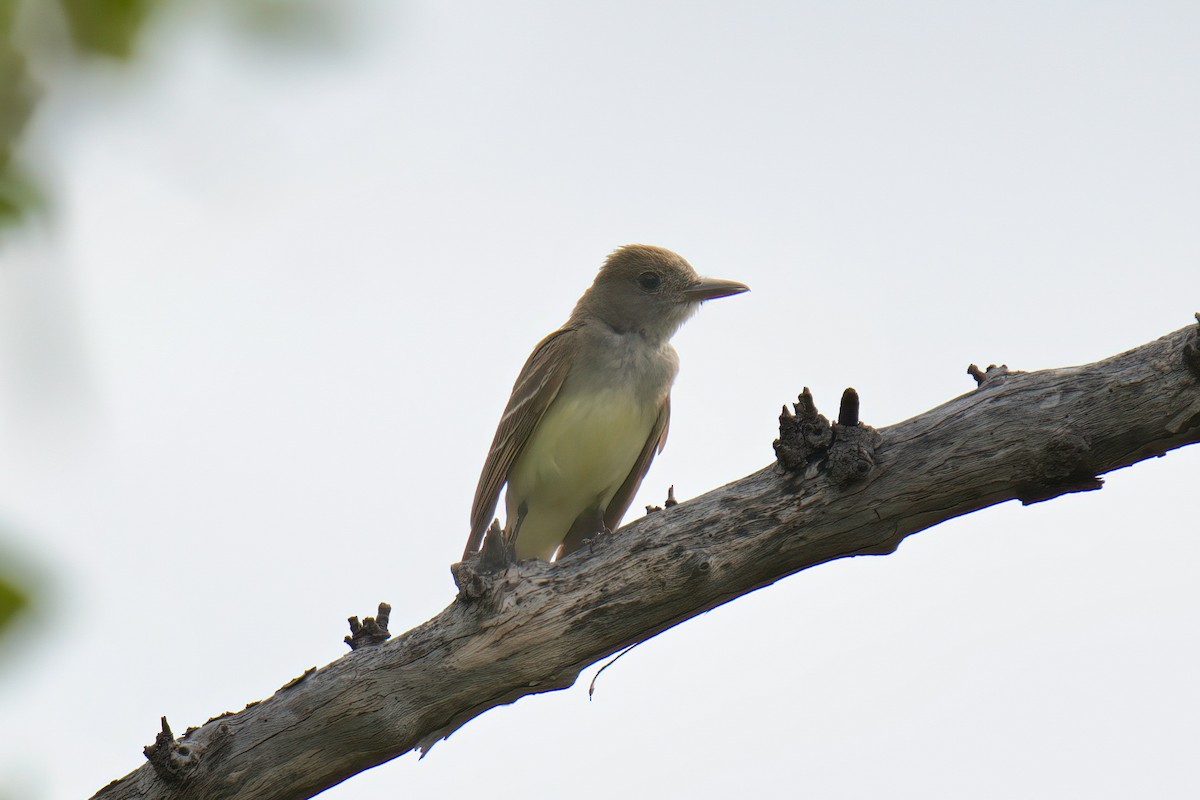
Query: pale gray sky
249	371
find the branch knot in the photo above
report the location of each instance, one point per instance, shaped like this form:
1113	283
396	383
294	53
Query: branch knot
804	435
806	438
172	761
994	374
475	576
852	454
1191	350
372	631
1061	468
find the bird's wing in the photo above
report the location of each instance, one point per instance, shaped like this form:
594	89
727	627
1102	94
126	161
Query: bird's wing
654	444
536	387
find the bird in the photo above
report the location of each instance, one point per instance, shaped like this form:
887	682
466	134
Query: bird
591	407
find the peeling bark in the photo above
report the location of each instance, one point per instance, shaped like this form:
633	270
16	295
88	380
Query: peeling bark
523	629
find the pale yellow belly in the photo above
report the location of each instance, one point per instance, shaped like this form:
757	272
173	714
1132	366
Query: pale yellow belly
578	456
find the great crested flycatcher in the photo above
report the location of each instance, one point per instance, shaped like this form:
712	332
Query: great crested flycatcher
591	406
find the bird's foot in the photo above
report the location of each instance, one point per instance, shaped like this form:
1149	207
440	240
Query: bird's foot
597	538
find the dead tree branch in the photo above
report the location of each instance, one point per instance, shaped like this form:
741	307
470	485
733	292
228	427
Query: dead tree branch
846	490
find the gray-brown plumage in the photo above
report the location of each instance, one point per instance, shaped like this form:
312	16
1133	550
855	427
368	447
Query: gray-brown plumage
591	407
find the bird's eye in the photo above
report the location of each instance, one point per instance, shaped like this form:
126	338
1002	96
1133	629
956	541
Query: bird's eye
650	281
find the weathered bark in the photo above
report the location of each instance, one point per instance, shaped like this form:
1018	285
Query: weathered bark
533	627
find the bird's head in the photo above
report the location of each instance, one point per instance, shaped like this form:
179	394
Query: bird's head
650	290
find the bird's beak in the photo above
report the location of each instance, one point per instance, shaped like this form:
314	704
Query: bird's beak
712	288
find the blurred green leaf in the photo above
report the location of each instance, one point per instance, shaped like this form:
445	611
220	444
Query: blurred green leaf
18	96
113	29
106	27
305	24
12	602
18	195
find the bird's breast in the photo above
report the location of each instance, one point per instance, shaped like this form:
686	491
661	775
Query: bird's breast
584	446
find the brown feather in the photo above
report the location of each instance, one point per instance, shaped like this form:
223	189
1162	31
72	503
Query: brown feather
536	387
